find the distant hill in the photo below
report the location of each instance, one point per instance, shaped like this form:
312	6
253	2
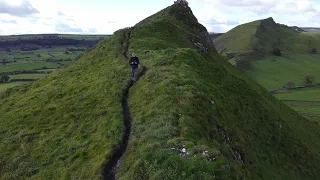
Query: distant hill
297	28
263	36
215	35
306	29
245	44
34	41
311	29
80	120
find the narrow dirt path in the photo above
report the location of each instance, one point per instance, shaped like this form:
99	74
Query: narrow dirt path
274	91
109	168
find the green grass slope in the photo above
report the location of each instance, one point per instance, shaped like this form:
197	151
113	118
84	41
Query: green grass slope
66	124
274	72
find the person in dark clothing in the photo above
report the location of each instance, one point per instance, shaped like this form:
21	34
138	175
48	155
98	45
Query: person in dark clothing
134	62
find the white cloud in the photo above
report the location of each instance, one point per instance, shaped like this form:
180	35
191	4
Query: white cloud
289	12
51	16
19	8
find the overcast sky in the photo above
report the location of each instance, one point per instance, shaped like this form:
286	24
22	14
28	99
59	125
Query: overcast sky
107	16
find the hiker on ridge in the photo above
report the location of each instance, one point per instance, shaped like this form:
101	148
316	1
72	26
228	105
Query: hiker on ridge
134	62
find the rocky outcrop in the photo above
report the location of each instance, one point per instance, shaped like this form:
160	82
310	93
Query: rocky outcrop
183	2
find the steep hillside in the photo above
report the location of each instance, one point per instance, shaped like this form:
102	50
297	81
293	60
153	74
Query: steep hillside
68	125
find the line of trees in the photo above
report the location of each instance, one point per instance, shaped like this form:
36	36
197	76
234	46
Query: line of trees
307	81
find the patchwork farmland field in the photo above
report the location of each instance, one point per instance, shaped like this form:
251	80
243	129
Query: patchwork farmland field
31	57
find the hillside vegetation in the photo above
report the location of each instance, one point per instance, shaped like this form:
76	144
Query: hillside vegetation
66	125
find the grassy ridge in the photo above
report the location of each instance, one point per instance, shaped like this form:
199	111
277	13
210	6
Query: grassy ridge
173	105
231	40
186	97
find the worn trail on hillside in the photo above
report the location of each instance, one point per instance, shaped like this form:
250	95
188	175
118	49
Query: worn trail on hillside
109	168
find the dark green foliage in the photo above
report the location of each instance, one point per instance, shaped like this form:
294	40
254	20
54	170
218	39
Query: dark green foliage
290	84
4	78
276	51
308	80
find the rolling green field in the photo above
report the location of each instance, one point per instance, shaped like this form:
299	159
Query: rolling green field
274	72
28	76
28	66
47	70
305	101
65	126
4	87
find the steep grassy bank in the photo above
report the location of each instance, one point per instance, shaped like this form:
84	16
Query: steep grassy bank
65	125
